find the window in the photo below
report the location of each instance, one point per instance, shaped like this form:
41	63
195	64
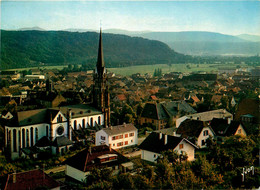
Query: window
126	142
203	142
181	146
121	136
126	135
131	134
14	141
27	138
83	123
120	144
131	141
99	120
59	119
103	138
113	144
114	138
205	133
91	122
154	155
239	131
36	134
31	131
75	124
23	138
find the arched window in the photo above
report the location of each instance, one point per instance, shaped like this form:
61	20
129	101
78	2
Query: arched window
31	131
75	124
91	122
36	135
19	139
83	123
47	131
99	120
59	119
23	138
14	140
27	138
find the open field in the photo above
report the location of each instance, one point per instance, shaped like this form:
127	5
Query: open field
143	69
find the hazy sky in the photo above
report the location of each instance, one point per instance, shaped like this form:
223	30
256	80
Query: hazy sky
229	17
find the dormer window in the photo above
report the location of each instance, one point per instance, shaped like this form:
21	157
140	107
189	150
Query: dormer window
107	158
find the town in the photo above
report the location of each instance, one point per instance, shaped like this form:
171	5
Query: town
76	129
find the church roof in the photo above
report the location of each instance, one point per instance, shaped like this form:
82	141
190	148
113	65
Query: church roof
100	59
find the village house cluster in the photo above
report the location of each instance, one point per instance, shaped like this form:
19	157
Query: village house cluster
48	111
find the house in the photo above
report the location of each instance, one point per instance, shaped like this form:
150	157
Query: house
195	131
33	179
226	128
117	136
25	128
120	98
159	114
206	116
102	156
156	143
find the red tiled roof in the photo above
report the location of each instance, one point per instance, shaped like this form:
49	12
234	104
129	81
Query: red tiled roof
30	180
121	97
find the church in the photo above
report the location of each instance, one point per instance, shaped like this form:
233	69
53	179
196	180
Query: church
28	131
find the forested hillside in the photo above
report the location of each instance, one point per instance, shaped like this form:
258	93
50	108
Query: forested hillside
34	48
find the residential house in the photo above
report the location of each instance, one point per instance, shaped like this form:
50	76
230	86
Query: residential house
195	131
226	128
118	136
159	114
156	143
33	179
79	166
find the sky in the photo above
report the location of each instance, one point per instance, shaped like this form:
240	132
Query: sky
227	17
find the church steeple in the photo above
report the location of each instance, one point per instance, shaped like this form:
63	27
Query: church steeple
100	60
101	97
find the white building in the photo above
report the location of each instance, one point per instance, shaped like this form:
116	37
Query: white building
118	136
206	116
196	131
153	146
27	127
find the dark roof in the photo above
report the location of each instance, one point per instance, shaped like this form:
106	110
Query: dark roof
190	128
85	159
61	141
43	142
219	126
222	128
231	130
114	130
30	180
153	142
165	110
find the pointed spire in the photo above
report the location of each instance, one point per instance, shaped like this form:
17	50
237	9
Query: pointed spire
100	60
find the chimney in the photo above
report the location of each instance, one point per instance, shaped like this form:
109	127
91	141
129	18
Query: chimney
160	135
111	127
229	120
124	124
14	176
165	139
89	149
110	147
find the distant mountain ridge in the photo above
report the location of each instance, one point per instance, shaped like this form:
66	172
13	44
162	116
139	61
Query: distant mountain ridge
32	48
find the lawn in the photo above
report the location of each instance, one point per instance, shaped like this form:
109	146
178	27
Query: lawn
142	69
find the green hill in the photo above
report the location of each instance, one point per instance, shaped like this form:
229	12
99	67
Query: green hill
34	48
